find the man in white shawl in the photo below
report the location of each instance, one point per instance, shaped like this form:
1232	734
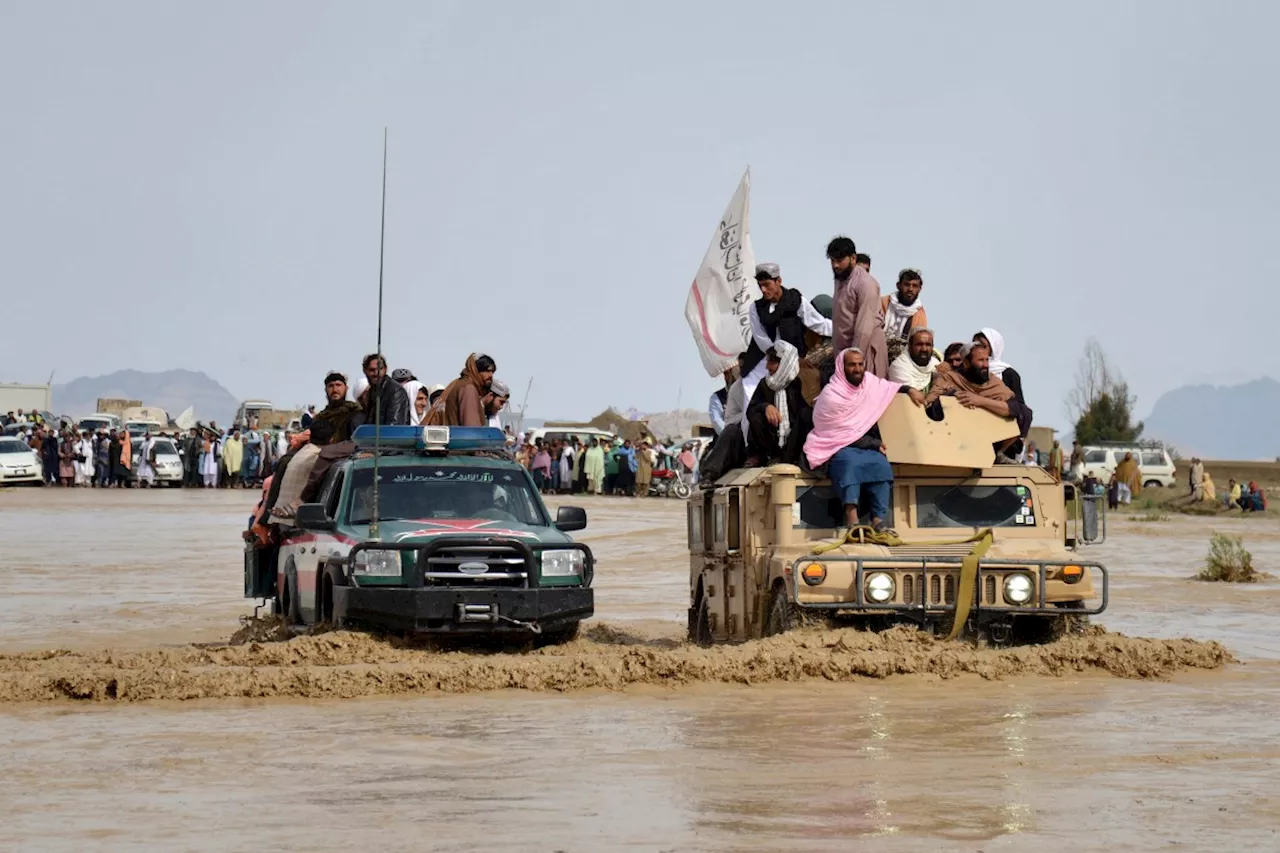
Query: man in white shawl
903	312
777	416
146	461
915	366
84	460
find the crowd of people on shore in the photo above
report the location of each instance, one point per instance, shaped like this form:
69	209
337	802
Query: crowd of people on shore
206	457
599	466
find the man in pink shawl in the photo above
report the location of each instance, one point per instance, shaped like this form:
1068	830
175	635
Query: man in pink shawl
857	317
846	438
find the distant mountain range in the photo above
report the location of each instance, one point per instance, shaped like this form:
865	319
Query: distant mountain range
171	390
1229	422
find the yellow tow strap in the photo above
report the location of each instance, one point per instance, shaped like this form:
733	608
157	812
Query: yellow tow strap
982	541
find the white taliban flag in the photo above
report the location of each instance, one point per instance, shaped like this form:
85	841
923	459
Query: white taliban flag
719	303
187	419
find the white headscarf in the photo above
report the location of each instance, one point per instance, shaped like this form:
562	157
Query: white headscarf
897	316
998	366
905	370
362	383
411	388
788	370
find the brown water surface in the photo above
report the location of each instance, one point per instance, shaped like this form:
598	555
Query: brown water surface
1073	758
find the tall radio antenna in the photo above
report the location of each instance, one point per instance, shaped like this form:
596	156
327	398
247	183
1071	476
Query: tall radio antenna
381	362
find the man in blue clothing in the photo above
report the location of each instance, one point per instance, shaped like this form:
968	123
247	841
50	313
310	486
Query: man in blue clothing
625	481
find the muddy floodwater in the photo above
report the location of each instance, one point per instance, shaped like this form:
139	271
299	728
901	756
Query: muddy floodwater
626	738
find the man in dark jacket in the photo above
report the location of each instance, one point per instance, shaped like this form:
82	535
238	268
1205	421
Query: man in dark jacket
386	403
778	418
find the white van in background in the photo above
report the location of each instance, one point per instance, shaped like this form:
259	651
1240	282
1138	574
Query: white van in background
1154	462
583	434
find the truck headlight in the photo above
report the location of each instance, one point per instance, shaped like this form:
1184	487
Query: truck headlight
378	563
880	586
563	563
1018	589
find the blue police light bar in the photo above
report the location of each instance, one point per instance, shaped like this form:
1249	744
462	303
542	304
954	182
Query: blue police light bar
368	436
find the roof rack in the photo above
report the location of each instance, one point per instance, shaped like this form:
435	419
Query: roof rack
1145	444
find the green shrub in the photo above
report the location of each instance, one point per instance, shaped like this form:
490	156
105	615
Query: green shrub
1228	561
1150	515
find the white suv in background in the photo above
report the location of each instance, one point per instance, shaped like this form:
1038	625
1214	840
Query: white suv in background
1154	462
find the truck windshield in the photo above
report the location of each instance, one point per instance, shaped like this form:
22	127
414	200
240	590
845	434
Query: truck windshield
444	491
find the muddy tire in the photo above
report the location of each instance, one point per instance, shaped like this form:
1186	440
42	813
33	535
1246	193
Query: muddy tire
1151	484
1047	629
559	636
782	616
700	623
292	601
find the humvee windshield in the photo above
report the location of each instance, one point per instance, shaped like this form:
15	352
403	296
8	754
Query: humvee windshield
445	491
973	506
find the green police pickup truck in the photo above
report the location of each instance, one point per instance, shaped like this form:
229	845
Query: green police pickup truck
461	543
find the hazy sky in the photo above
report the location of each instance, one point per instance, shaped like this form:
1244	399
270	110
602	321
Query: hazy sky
196	185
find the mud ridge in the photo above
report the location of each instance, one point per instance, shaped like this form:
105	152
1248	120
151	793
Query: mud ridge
345	664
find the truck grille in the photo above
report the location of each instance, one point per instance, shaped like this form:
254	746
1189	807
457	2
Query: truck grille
476	565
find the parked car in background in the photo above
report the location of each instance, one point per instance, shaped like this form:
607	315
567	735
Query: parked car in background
168	462
1155	463
583	434
19	463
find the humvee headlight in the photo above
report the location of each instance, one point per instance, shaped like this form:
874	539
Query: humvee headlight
1018	589
566	563
814	574
880	587
378	563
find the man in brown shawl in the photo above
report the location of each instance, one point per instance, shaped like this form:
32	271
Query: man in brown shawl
461	404
975	388
332	425
1127	478
344	414
857	318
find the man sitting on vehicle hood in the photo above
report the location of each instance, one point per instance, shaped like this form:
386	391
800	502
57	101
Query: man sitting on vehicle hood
846	438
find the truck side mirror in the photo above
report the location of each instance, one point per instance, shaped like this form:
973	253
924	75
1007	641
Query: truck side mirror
313	517
569	518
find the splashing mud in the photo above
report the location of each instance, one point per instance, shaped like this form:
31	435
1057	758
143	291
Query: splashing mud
344	664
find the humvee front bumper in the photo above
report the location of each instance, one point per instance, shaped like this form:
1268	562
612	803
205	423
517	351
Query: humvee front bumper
926	586
444	610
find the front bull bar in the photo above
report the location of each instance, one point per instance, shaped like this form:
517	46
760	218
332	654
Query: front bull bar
928	564
527	550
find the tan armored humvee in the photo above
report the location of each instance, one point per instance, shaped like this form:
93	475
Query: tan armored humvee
763	552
